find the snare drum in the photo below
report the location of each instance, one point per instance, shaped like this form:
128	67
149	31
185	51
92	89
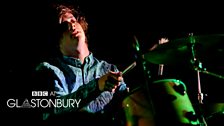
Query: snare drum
172	104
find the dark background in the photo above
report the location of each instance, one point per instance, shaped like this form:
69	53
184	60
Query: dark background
112	27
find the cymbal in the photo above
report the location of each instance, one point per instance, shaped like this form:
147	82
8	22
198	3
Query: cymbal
178	50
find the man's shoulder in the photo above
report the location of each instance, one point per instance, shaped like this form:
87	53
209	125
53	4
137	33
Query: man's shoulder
44	65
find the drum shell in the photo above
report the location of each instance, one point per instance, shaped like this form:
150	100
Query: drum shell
138	109
214	113
171	102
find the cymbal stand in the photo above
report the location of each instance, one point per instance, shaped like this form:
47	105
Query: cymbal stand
197	64
161	66
146	71
212	74
203	70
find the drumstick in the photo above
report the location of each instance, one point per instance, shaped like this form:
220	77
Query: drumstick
130	67
126	70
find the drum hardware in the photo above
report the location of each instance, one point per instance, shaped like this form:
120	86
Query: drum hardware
181	107
161	66
197	64
160	70
175	51
181	89
198	67
146	73
191	116
137	105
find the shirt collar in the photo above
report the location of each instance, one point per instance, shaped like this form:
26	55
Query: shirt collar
76	62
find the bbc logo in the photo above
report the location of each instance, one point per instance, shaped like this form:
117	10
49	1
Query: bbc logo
39	93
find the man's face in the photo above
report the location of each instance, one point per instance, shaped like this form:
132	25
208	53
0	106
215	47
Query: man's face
73	36
74	27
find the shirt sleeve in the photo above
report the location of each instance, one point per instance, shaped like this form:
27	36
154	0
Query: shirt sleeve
46	79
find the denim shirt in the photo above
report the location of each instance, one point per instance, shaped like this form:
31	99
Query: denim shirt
73	80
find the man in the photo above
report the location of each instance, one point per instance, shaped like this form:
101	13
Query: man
86	88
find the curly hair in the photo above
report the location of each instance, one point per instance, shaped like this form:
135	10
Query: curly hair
55	29
62	9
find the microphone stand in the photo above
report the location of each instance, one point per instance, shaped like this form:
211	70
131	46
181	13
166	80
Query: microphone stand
197	65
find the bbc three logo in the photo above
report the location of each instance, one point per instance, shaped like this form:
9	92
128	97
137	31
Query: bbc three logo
43	93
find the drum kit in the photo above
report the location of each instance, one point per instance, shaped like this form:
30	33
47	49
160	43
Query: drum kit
169	97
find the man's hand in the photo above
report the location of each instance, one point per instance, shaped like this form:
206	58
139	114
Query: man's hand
110	81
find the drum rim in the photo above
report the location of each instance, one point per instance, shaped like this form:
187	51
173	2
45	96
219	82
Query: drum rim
169	80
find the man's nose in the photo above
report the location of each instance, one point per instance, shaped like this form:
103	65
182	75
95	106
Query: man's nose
73	25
